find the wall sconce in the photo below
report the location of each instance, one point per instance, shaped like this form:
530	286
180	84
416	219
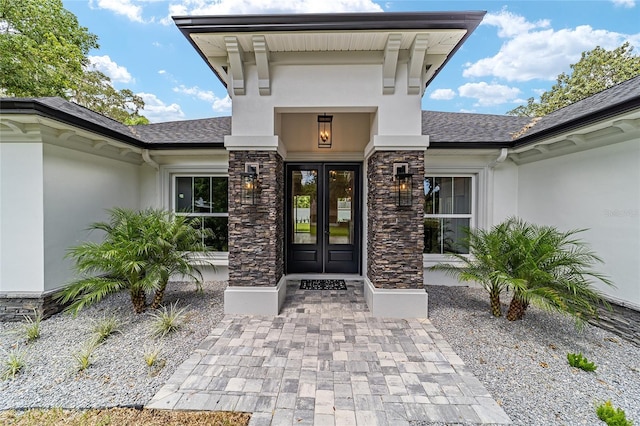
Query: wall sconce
249	184
325	130
403	184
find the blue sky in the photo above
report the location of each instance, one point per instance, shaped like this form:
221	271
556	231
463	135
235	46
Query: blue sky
516	52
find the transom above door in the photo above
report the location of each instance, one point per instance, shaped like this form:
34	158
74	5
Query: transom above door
323	217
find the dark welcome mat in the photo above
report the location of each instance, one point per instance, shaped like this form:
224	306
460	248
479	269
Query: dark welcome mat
323	285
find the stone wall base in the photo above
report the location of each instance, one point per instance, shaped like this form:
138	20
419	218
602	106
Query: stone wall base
246	300
622	321
396	303
15	306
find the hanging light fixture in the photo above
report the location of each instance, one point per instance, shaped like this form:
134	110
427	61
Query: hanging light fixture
325	130
249	184
403	184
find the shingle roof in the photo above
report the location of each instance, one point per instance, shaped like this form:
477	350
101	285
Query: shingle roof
207	130
456	127
594	106
445	129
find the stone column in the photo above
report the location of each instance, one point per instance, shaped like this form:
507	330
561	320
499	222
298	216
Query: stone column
395	234
256	233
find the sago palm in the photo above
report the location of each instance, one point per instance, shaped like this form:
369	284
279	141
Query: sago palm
486	263
137	254
552	269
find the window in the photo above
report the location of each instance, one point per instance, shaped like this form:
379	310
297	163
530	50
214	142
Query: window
448	208
205	198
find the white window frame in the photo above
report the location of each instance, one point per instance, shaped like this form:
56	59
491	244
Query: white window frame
479	202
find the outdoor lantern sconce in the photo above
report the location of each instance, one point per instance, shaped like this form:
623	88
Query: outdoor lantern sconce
403	184
249	184
324	130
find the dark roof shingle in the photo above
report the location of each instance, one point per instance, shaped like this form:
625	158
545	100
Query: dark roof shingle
450	127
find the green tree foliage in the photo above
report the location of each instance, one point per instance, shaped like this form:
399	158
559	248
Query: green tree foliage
44	52
540	264
140	252
596	71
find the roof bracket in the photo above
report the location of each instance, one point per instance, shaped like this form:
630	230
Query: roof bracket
626	125
390	64
415	66
262	62
236	59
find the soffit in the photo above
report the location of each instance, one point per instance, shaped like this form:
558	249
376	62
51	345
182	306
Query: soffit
212	45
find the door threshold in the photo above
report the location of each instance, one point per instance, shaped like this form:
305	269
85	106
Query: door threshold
321	276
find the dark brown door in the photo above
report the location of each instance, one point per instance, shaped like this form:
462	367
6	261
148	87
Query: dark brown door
323	218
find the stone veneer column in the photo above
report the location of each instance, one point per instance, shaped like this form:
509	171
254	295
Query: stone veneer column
395	234
256	233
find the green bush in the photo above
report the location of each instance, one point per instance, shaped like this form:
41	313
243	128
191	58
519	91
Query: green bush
612	416
578	361
167	321
12	365
105	327
31	326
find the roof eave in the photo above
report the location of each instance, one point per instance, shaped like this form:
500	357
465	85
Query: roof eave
597	116
34	107
393	21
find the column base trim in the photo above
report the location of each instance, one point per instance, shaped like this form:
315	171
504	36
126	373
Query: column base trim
396	303
255	300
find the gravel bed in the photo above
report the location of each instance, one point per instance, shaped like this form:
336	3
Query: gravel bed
119	375
523	364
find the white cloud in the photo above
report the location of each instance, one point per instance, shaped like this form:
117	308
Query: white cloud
489	94
624	3
443	94
120	7
157	111
242	7
217	104
162	72
535	51
117	73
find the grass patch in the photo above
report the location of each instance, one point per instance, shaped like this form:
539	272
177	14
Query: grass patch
579	361
123	417
84	355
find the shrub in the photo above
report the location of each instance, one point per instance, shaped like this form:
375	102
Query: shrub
578	361
167	321
32	326
13	364
139	253
84	355
612	416
105	327
151	355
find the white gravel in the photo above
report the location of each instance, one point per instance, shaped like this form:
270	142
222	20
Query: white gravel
523	364
119	375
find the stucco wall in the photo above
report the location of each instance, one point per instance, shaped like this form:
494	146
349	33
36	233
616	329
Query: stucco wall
597	189
21	217
78	187
349	87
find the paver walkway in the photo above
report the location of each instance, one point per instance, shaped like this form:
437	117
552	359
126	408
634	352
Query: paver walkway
326	361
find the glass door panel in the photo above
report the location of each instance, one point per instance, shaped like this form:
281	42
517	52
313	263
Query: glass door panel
304	206
340	205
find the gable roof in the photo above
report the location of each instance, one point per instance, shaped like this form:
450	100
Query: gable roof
185	133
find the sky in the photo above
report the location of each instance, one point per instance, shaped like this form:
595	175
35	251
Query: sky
516	53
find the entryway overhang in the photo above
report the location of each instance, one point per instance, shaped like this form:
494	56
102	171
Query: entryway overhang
425	40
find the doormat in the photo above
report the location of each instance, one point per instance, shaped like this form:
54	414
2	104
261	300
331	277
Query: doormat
323	285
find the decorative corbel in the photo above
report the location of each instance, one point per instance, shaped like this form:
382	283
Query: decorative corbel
390	63
261	51
415	66
236	60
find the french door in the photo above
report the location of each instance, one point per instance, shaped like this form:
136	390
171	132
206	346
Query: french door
323	217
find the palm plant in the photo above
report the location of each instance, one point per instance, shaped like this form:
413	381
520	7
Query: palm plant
173	237
486	264
138	254
552	269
